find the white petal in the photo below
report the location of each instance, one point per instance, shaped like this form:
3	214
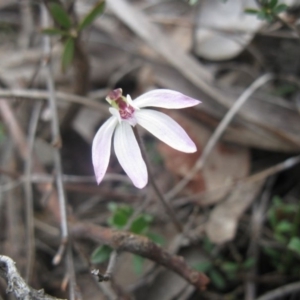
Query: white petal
166	99
129	155
131	103
101	147
115	113
165	129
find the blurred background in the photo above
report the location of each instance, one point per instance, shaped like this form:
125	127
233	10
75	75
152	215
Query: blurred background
237	196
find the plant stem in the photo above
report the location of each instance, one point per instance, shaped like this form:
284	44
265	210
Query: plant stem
158	193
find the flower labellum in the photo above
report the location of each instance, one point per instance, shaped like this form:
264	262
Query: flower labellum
126	113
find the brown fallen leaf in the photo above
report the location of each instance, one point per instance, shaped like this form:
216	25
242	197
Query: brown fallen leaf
226	163
223	220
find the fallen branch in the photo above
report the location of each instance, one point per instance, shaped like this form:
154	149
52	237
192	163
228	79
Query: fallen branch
140	245
17	285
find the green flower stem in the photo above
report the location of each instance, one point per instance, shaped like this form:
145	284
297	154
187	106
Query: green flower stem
158	193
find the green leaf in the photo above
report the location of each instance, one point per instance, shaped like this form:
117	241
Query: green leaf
68	53
207	245
60	15
248	263
203	266
277	201
217	279
273	3
280	8
2	133
262	15
271	252
229	267
54	31
101	254
112	206
280	238
92	15
251	11
294	245
138	263
284	227
141	224
120	216
156	238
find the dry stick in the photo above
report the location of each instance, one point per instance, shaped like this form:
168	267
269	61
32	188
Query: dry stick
114	255
27	24
41	95
156	190
218	132
287	164
281	292
28	192
16	284
140	245
45	178
258	216
56	141
81	84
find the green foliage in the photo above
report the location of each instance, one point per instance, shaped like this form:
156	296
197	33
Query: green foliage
284	222
120	216
54	31
294	244
156	238
101	254
248	263
68	31
222	271
68	53
217	279
141	224
2	133
203	266
268	11
138	263
97	10
60	15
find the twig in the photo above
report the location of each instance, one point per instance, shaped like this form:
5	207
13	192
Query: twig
115	254
62	96
56	141
81	83
16	284
258	216
287	164
41	177
126	241
27	24
156	190
218	132
28	192
281	291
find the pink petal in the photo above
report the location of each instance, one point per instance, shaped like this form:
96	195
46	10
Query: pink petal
165	129
129	155
166	99
101	147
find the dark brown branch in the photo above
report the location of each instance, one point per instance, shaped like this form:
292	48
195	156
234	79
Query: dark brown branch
140	245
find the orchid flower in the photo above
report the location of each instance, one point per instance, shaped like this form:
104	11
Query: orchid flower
127	113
